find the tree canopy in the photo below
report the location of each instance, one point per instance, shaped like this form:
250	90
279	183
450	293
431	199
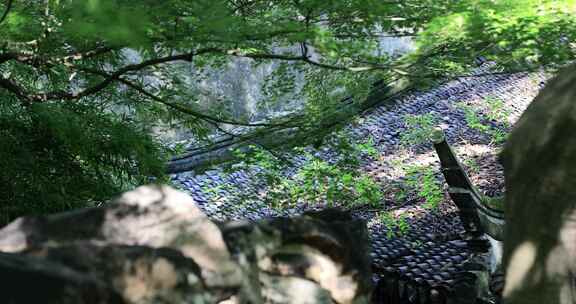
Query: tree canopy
83	82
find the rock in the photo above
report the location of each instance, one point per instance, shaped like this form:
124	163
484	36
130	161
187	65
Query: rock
293	290
153	245
34	280
138	274
155	216
327	248
539	162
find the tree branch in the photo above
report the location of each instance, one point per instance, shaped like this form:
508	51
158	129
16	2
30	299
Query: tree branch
306	59
110	78
34	60
15	89
7	10
115	76
180	108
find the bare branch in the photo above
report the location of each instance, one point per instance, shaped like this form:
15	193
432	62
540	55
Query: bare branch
178	107
85	54
114	76
306	59
188	57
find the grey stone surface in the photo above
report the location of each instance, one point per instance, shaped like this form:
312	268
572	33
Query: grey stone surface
153	245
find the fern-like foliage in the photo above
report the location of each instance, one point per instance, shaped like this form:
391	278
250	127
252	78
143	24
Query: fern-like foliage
54	157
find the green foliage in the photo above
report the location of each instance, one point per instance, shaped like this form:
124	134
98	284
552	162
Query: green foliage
425	183
518	34
316	181
473	119
421	181
177	149
396	226
401	193
416	244
56	157
419	129
498	136
494	112
368	148
472	165
77	107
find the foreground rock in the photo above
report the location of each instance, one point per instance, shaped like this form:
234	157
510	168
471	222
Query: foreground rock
153	245
540	168
321	256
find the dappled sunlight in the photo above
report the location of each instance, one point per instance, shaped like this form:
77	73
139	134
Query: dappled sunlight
471	150
341	152
567	235
521	262
141	280
161	216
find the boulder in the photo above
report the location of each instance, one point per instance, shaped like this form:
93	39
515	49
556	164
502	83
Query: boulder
154	245
35	280
323	252
540	171
137	274
154	216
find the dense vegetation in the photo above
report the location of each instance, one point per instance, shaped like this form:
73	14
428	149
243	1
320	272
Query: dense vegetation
77	106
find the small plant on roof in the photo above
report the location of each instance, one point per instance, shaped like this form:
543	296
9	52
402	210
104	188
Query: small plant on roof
496	110
419	129
474	120
472	165
316	180
368	148
396	225
423	180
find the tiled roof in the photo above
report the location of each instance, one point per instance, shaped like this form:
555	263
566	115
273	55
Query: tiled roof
433	259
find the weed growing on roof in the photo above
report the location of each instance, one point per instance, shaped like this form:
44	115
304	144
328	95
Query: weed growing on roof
367	191
395	225
316	180
400	194
498	136
177	149
402	224
419	128
319	181
222	193
472	165
473	119
416	244
213	191
494	109
420	180
368	147
423	180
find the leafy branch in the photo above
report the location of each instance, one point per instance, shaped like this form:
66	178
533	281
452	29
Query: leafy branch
6	10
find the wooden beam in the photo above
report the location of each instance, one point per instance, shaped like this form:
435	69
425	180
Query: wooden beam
476	216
